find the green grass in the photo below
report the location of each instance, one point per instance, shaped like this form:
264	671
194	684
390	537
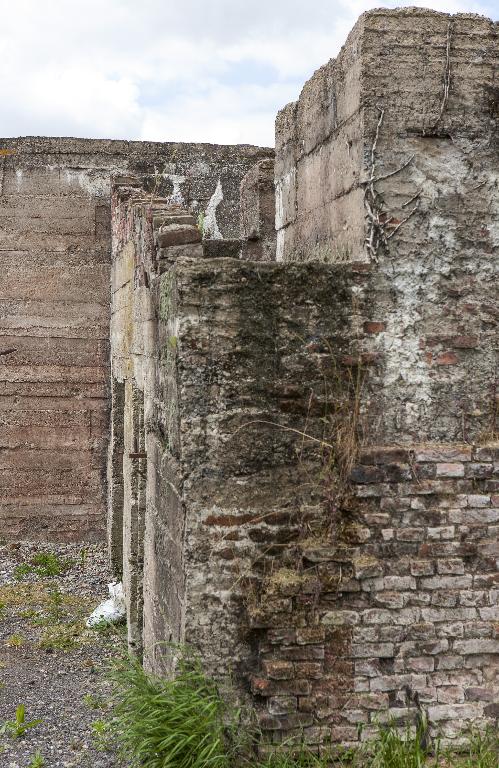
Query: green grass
43	564
390	750
301	757
37	761
15	641
482	751
102	735
63	636
180	723
18	727
94	702
393	748
185	723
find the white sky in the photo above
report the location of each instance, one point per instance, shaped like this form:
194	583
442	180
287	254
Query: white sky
169	70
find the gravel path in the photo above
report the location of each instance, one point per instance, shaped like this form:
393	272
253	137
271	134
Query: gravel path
50	663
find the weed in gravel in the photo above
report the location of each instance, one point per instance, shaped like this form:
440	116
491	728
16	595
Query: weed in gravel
43	564
63	637
39	595
102	735
37	761
108	628
15	641
94	702
2	610
15	595
30	614
56	600
83	558
19	726
20	571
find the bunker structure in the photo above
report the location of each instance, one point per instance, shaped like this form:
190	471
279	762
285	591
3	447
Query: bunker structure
274	375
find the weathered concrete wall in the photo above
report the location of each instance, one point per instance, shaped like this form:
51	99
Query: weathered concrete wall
54	321
233	487
54	297
149	234
410	86
342	597
258	213
321	512
391	156
303	469
344	583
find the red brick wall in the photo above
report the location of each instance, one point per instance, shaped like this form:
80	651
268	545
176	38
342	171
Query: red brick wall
396	610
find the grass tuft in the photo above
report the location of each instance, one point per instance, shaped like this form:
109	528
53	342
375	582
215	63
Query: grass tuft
63	636
179	723
185	723
18	727
392	749
43	564
37	761
482	750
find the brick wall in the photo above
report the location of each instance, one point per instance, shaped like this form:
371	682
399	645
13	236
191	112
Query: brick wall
320	433
394	614
334	604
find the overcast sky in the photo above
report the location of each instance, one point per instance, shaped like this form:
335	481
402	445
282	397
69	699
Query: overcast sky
168	70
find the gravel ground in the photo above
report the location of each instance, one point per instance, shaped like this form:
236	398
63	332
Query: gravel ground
50	663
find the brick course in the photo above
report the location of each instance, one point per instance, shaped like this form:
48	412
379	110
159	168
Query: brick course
406	609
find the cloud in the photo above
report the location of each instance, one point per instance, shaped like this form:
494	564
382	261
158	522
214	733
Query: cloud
161	70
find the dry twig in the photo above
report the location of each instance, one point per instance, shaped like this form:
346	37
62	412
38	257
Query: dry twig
446	80
379	221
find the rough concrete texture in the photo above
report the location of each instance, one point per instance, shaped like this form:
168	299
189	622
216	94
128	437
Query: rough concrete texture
258	213
433	78
377	161
142	224
303	458
141	355
55	259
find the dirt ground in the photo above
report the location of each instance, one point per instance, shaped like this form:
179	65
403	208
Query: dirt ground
50	663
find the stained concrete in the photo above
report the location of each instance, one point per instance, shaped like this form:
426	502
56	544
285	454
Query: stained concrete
55	243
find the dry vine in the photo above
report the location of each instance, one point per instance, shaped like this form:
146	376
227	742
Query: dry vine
446	80
381	226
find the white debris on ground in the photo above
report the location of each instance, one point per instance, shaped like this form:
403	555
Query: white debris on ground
110	611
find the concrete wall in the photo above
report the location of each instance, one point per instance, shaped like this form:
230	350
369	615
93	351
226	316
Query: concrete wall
55	244
335	583
320	438
54	273
150	233
303	459
258	213
433	78
376	161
